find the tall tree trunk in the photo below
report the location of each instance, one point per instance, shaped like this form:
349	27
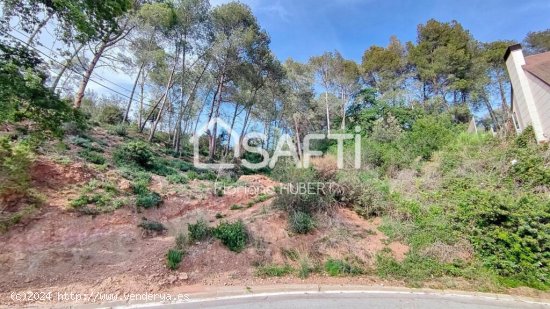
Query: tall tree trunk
159	115
109	40
328	113
491	113
141	99
88	74
226	151
214	114
298	139
132	95
66	66
39	28
343	110
177	135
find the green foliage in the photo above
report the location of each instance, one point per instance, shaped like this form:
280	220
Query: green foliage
150	225
305	268
538	41
134	153
110	114
233	235
293	196
119	129
92	156
510	233
173	258
273	270
301	222
24	96
199	231
96	198
148	200
15	162
236	207
347	267
181	241
177	179
367	194
162	167
429	134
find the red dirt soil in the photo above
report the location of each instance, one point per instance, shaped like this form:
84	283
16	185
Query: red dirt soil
62	251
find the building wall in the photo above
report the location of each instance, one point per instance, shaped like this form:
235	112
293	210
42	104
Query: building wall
519	105
524	103
541	95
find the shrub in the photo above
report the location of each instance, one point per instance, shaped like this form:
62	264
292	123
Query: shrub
301	222
192	175
510	234
184	166
153	226
148	200
119	129
177	179
207	175
110	114
181	241
236	207
429	134
305	268
15	162
92	156
233	235
24	97
162	167
134	153
199	231
342	268
173	258
291	197
368	195
273	270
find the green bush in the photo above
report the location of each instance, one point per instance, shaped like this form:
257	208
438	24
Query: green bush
181	241
25	99
135	153
119	129
184	166
273	270
236	207
510	233
162	167
429	134
148	200
110	114
233	235
173	258
295	196
364	192
15	163
301	222
152	226
92	156
199	230
346	267
192	175
177	179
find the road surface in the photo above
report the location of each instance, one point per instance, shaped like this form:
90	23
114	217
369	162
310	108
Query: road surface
352	299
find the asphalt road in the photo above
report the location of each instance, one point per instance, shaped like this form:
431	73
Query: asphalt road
355	300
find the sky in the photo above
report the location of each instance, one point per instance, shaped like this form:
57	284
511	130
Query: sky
304	28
